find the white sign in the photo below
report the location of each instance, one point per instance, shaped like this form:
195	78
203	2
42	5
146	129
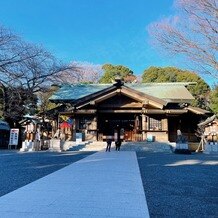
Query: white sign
14	133
78	137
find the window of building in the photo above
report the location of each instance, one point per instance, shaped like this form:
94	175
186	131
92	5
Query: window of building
155	124
83	122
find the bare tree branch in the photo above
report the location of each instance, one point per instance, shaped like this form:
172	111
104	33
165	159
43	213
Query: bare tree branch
192	33
24	70
80	72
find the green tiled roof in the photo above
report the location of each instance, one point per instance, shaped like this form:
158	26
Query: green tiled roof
75	91
171	92
166	91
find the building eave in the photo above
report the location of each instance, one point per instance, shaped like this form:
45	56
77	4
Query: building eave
197	110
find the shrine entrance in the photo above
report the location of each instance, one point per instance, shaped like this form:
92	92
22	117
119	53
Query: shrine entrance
127	127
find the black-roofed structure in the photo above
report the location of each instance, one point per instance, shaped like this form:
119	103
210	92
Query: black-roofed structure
4	134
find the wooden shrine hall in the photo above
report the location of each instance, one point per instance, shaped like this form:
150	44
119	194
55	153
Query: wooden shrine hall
132	112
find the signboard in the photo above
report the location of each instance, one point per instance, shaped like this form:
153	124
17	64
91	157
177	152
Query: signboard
78	137
13	140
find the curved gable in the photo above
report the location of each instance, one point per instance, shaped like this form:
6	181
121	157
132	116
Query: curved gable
136	98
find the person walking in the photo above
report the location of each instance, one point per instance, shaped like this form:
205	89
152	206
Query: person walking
118	144
108	148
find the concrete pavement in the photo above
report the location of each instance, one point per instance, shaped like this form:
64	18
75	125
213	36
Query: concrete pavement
105	184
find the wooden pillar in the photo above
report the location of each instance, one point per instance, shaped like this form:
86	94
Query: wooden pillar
74	130
165	124
165	127
92	130
95	126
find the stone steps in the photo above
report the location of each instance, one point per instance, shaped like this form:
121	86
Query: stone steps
87	146
146	146
126	146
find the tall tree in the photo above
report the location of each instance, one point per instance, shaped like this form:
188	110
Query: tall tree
171	74
113	71
18	102
192	33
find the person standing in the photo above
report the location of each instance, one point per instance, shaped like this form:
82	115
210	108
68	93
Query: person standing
108	148
118	144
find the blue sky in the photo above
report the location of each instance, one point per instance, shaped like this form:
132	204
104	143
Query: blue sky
95	31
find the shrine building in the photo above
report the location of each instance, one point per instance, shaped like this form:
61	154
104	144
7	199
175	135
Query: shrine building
132	112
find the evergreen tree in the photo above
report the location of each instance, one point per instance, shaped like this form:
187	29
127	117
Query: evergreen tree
214	99
113	71
171	74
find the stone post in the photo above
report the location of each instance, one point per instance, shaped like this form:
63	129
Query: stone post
144	127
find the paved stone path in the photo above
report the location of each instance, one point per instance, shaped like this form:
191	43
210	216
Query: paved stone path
105	184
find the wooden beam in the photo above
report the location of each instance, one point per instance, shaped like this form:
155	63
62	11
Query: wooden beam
84	111
143	98
99	99
120	111
132	95
141	95
176	111
159	111
153	111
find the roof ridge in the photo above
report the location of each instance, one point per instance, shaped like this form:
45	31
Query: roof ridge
132	84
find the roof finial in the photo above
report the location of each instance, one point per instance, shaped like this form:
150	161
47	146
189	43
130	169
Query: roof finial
118	80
